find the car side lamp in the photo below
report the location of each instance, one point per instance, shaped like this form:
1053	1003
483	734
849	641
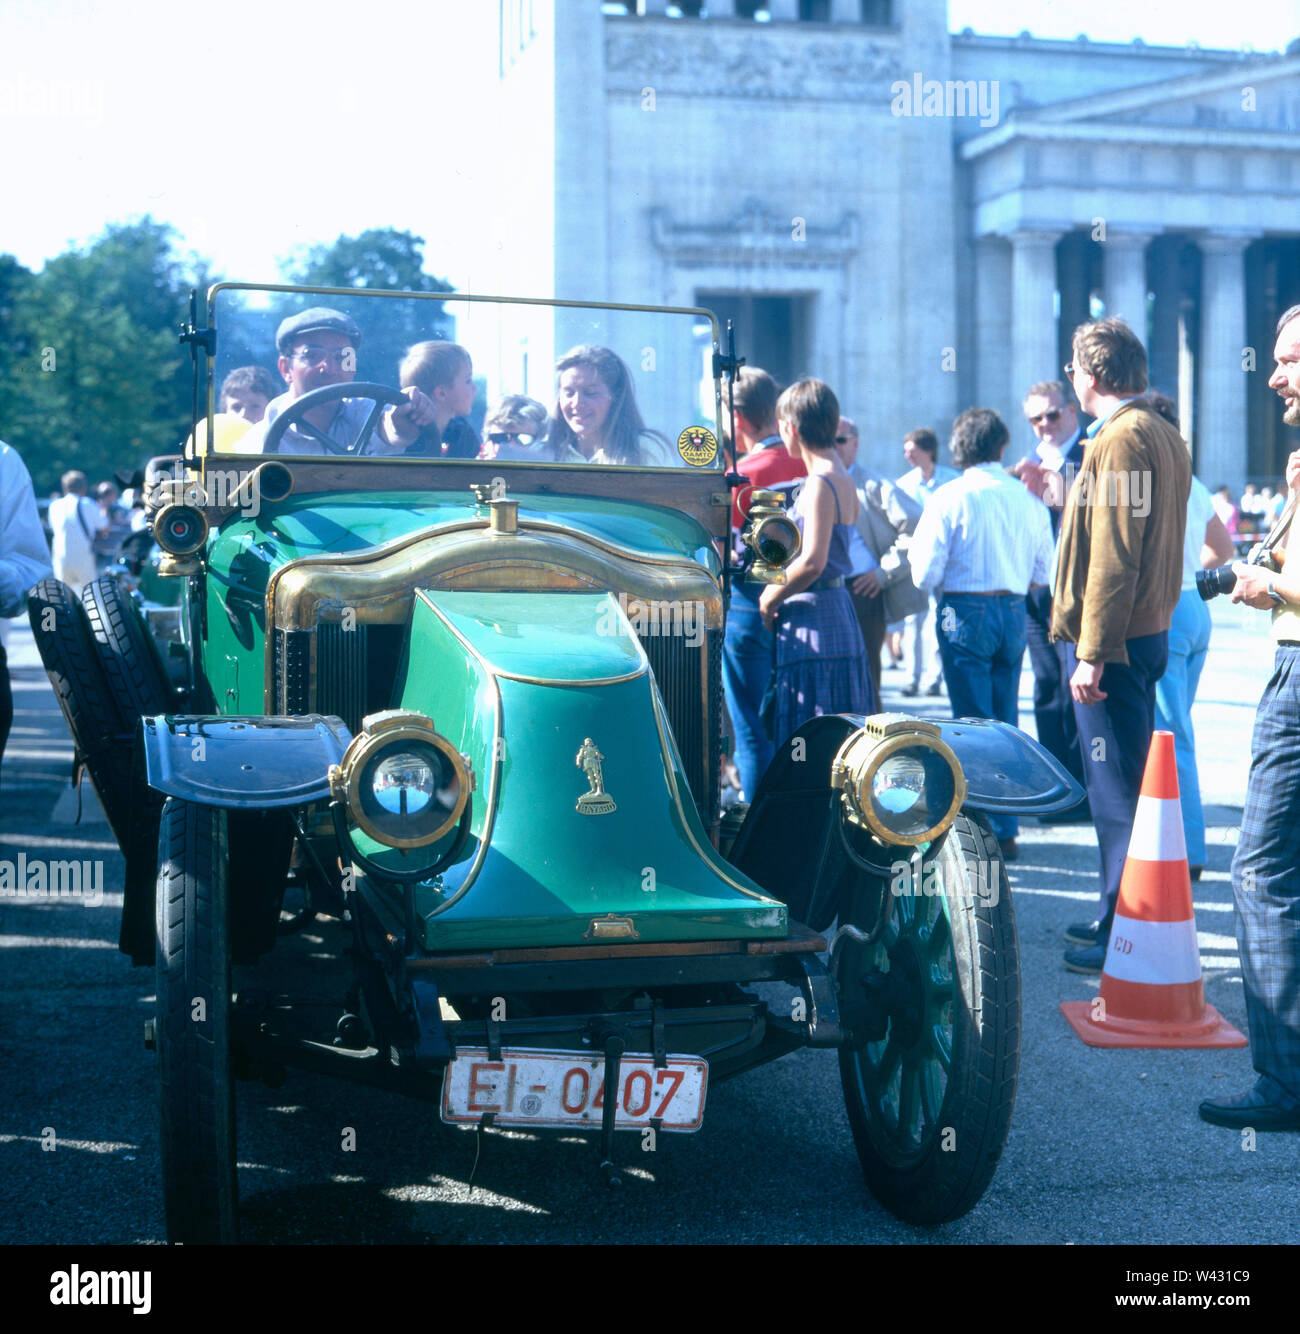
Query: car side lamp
771	535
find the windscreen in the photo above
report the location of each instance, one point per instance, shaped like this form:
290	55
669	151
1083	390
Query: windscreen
361	375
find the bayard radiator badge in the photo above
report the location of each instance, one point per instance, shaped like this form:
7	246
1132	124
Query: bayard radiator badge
597	801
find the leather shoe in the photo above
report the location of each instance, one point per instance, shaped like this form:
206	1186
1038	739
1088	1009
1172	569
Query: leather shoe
1082	933
1090	960
1010	852
935	688
911	690
1195	872
1249	1111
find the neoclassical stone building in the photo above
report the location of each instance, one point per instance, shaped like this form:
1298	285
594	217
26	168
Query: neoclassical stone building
919	217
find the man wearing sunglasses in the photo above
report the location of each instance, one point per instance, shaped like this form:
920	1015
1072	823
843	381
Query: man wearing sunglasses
318	347
1054	418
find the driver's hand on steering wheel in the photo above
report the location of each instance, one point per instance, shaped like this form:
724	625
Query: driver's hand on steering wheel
402	425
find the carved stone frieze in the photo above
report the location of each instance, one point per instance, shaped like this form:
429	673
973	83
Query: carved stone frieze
713	62
756	235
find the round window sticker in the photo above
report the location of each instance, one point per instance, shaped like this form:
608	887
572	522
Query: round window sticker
698	446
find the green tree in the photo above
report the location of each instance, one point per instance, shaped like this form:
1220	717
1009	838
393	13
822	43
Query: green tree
381	257
16	362
94	377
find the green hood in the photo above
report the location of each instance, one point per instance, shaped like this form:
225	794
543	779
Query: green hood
526	684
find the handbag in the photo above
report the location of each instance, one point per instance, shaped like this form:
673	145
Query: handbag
900	596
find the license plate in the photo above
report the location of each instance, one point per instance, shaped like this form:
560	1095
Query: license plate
564	1089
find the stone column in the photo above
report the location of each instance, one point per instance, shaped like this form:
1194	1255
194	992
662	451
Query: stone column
1166	284
1072	281
784	11
1033	309
842	11
651	6
1125	281
993	387
722	9
1220	444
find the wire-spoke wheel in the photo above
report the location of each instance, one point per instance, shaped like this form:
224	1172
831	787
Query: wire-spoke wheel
929	1096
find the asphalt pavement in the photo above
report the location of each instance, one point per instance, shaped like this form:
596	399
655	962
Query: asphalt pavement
1105	1146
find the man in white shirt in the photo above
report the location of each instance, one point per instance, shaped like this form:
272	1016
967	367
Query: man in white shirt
74	521
24	560
921	450
986	541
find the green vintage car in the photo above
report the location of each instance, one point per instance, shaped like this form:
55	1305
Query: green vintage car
458	688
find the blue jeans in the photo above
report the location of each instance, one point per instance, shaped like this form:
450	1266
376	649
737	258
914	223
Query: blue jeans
982	644
748	652
1189	640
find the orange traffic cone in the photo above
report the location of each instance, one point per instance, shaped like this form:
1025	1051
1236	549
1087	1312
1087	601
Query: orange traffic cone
1151	991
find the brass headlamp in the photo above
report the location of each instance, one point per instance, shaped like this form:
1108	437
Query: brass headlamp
772	535
899	779
402	784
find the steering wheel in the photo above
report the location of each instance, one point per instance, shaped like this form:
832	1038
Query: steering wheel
380	394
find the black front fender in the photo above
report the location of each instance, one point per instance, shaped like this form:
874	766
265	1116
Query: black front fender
790	842
243	763
1006	771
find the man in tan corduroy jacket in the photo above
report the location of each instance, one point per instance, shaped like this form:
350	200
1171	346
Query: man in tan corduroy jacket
1118	577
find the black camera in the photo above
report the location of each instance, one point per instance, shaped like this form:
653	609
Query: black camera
1210	583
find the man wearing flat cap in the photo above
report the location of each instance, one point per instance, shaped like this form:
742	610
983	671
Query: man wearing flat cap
318	347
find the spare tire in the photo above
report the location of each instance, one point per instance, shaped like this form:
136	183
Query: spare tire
100	730
127	651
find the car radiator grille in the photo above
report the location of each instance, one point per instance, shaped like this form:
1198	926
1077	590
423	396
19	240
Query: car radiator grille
690	680
341	676
293	671
356	669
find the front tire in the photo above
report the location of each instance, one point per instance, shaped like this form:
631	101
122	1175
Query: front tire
196	1085
930	1101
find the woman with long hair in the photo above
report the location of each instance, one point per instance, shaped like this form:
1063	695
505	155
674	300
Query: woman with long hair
596	419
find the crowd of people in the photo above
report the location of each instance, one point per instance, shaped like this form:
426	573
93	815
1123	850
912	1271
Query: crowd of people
1084	554
86	532
973	565
595	418
1252	514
